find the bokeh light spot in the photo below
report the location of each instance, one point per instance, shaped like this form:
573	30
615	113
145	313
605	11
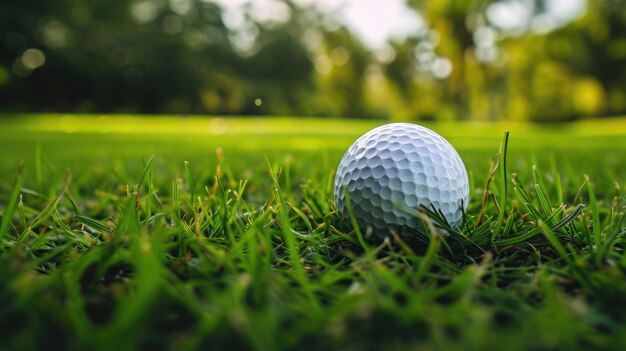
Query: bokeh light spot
441	67
181	7
340	56
323	64
144	11
54	34
32	59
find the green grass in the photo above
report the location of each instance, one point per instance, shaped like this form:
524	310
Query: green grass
227	238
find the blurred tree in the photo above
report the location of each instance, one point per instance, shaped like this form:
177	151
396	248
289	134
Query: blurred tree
278	71
341	63
112	55
571	71
179	56
453	41
147	56
593	51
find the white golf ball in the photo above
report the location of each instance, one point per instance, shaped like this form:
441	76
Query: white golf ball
396	168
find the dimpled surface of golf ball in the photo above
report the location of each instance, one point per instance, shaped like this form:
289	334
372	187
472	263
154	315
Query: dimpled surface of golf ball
396	168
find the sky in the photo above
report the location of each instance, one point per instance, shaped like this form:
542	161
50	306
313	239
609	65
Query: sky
516	14
374	21
377	21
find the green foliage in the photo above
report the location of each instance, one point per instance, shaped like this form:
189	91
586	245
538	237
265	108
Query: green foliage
241	248
150	56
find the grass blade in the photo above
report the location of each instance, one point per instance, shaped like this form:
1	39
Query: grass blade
9	211
146	169
593	204
503	187
93	224
190	180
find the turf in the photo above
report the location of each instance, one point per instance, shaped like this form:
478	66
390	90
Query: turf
120	232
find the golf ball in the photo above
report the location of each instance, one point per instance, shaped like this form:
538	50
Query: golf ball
396	168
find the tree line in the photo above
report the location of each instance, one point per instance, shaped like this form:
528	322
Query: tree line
157	56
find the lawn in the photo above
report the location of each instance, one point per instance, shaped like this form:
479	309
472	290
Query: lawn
219	233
